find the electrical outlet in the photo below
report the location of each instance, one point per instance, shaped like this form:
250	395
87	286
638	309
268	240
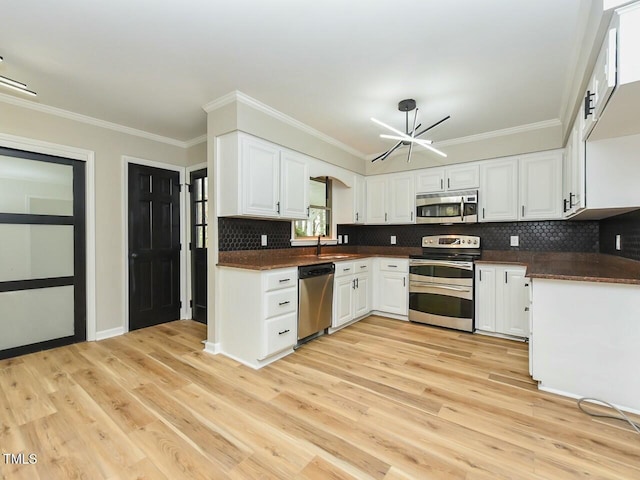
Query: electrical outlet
393	239
515	241
339	239
618	242
346	238
263	240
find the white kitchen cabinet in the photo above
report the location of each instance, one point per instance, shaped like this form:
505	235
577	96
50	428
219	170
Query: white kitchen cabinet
390	199
264	329
391	280
601	83
359	199
440	179
527	187
257	178
540	188
352	292
498	195
294	191
573	176
502	299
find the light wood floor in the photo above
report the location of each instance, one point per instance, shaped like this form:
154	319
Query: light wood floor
381	399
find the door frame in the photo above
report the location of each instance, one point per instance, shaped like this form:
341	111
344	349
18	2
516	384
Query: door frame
126	160
189	169
88	157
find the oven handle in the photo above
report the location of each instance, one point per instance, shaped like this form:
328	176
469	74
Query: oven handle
438	285
441	263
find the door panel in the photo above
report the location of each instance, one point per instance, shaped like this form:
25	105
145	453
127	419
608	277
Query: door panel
199	218
154	246
42	257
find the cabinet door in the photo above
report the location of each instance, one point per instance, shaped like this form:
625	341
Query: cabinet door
359	199
430	180
260	177
541	186
294	191
362	299
402	199
463	177
485	298
498	194
515	320
376	200
393	293
342	300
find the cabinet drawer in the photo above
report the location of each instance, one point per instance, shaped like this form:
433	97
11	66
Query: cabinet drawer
281	302
281	279
363	266
394	265
280	333
344	268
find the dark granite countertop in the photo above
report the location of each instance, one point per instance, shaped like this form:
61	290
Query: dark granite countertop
584	267
269	259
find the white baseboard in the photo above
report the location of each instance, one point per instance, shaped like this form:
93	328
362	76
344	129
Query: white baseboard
562	393
112	332
378	313
211	347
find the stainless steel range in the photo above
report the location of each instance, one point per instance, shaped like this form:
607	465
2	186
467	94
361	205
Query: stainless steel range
441	281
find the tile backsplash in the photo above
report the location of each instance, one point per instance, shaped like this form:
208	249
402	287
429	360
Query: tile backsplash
558	236
246	233
547	236
628	227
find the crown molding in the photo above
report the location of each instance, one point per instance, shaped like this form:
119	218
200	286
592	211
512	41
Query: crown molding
502	133
195	141
59	112
278	115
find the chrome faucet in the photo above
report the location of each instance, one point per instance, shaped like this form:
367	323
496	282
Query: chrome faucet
318	249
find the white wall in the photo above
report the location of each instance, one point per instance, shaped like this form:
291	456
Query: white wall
109	147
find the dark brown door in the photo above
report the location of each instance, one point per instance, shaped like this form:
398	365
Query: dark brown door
154	246
199	214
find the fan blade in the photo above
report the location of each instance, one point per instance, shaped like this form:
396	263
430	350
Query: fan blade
388	152
413	131
433	126
410	150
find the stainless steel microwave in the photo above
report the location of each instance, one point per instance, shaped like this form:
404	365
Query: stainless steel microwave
449	207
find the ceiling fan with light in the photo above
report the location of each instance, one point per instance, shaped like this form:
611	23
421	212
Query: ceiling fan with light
408	137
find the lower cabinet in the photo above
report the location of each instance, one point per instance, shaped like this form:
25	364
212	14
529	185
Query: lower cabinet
502	299
264	329
351	292
391	278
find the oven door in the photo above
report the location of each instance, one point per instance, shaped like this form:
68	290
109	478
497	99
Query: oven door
441	271
440	304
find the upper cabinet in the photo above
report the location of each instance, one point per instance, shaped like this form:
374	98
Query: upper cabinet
457	177
541	186
614	88
498	196
260	179
528	187
390	198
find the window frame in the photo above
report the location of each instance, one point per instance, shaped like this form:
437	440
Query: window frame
326	239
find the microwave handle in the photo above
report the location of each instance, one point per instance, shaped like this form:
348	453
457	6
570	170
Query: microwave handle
462	208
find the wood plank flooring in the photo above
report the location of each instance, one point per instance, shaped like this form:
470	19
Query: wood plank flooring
381	399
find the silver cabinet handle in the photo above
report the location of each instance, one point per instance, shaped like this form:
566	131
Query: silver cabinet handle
346	269
506	278
404	281
385	217
441	184
523	210
448	183
412	216
356	216
353	283
278	207
392	266
308	211
284	280
284	331
284	303
363	266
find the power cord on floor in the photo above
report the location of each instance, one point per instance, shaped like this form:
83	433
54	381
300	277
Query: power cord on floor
622	416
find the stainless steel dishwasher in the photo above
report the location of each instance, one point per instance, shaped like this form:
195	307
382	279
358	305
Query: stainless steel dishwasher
315	299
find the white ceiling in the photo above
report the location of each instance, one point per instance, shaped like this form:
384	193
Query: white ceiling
332	64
